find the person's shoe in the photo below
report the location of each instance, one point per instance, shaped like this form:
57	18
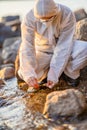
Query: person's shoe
70	81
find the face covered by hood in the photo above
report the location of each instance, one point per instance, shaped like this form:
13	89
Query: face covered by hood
45	9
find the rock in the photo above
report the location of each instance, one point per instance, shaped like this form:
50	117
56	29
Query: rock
1	82
60	128
80	14
10	18
10	41
1	24
10	51
69	102
66	127
70	127
7	72
14	22
81	30
6	65
82	125
15	26
6	32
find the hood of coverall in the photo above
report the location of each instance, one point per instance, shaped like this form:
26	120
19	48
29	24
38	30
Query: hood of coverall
45	8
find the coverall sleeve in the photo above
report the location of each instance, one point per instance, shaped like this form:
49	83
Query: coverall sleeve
63	48
27	52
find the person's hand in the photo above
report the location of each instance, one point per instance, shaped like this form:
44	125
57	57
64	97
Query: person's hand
50	84
32	82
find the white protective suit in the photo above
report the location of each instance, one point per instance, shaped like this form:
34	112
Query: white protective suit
48	47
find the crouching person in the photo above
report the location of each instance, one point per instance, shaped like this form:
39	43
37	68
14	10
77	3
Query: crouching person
48	47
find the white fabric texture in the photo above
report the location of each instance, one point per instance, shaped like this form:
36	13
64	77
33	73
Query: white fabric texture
45	8
46	47
78	59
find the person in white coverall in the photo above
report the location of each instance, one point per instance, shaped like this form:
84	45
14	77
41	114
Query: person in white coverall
48	46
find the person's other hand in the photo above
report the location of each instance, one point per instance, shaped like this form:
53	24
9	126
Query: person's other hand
32	82
50	84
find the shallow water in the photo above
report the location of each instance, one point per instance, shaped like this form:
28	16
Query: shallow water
14	114
20	110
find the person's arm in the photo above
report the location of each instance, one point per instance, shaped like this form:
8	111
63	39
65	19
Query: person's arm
27	52
63	49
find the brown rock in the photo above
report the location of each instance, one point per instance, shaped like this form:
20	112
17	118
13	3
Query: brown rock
1	82
7	72
81	30
80	14
64	103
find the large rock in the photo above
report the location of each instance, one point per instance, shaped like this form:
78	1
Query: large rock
10	41
80	14
81	30
14	22
15	26
10	18
64	103
10	49
6	32
7	72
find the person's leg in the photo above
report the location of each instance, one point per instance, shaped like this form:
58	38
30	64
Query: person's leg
77	61
43	63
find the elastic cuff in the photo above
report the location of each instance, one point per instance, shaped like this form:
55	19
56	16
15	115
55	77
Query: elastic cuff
52	75
26	78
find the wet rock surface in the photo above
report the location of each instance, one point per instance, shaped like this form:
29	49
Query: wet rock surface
7	72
